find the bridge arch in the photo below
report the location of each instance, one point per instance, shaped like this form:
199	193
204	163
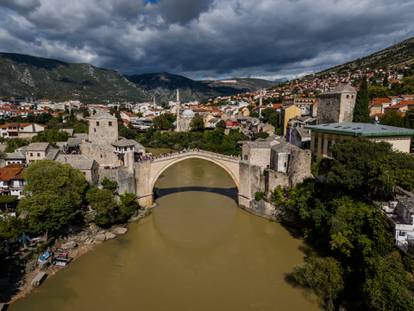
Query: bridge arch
149	171
158	172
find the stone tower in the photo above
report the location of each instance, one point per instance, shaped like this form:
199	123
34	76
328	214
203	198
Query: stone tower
103	128
338	105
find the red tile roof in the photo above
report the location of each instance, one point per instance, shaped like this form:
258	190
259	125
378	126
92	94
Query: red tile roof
10	172
380	101
403	103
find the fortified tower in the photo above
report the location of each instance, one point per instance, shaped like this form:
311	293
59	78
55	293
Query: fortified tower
103	129
338	105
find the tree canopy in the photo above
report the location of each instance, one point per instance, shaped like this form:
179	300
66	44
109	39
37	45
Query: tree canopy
353	241
197	123
361	110
53	195
164	121
51	136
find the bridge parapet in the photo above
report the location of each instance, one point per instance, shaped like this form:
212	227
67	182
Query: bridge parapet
191	152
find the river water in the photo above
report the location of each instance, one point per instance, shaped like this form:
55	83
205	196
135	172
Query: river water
197	252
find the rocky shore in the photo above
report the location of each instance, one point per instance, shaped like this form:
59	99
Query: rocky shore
76	245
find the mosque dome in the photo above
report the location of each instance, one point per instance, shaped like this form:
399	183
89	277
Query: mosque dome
188	113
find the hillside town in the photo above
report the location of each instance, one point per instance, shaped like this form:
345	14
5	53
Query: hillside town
282	131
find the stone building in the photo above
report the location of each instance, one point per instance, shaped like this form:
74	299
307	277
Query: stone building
337	105
289	166
89	168
324	136
40	151
103	132
103	128
257	152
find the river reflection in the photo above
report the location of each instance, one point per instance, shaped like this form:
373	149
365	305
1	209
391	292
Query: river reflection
197	251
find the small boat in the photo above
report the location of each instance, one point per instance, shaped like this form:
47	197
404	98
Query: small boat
39	278
45	257
61	258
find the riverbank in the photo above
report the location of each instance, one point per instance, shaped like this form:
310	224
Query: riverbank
77	245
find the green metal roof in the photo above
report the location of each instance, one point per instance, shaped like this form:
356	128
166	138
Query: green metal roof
360	129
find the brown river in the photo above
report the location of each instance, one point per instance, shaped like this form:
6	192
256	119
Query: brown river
197	251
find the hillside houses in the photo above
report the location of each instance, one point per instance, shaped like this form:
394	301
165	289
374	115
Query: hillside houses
20	130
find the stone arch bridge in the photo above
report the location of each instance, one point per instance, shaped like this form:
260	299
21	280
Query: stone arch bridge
148	171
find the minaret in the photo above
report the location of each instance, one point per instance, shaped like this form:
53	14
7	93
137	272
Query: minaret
154	103
260	103
178	110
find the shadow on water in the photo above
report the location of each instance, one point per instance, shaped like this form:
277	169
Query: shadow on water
228	192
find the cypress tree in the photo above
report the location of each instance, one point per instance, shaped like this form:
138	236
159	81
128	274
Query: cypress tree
361	110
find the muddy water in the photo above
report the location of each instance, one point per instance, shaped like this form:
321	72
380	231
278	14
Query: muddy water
197	252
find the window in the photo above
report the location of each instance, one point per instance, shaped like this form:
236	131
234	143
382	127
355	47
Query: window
402	233
347	96
246	157
94	130
97	123
110	123
38	155
31	154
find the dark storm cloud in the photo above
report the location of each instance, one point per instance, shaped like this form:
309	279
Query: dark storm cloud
205	38
20	5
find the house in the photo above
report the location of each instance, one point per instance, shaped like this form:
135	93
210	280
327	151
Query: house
289	113
402	107
324	136
20	130
11	180
89	168
401	213
378	106
128	151
16	157
296	132
305	104
40	151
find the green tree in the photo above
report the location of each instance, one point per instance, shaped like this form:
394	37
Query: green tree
392	118
126	132
128	206
53	196
271	116
197	123
51	136
387	283
110	185
367	168
221	125
105	206
361	110
164	121
15	143
323	276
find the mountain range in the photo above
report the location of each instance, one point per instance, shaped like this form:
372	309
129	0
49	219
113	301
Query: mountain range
29	76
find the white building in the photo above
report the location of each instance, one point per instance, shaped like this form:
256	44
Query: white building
11	180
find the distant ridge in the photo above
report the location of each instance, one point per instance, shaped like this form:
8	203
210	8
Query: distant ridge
30	76
398	55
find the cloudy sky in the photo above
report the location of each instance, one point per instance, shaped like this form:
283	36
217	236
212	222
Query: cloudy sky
205	38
